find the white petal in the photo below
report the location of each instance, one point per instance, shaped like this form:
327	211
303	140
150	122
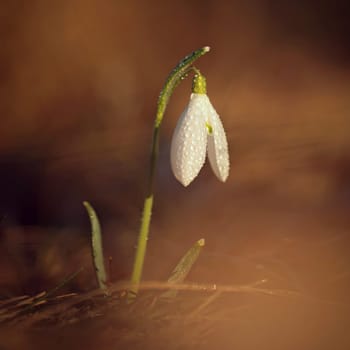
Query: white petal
189	142
217	146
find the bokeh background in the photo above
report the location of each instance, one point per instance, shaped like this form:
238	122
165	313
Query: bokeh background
79	82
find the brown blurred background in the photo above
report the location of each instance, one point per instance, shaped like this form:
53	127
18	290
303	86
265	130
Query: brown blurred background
79	81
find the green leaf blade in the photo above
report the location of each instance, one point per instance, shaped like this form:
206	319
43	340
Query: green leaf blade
184	266
97	247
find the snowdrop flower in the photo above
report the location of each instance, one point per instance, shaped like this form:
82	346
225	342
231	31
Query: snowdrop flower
198	131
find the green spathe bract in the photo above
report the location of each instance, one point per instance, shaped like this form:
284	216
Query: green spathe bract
174	78
199	85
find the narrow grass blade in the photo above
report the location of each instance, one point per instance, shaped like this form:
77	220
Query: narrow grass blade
97	248
184	266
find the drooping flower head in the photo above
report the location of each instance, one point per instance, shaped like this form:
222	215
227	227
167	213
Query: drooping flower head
199	131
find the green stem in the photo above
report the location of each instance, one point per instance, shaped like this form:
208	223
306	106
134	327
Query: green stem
173	80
